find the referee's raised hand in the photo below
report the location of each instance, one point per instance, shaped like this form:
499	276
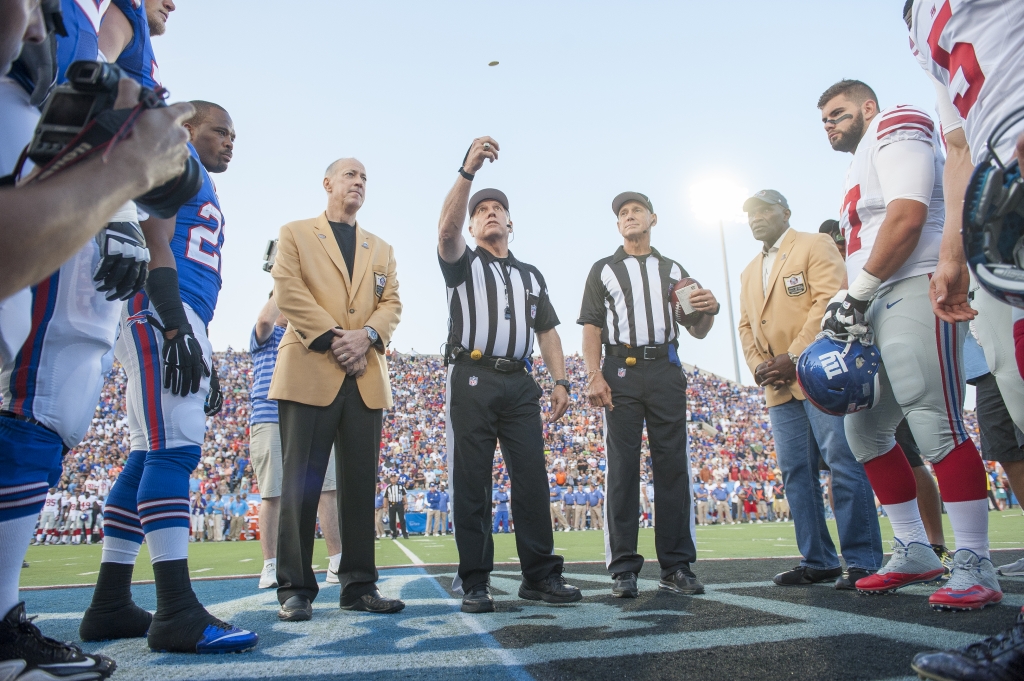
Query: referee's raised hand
483	148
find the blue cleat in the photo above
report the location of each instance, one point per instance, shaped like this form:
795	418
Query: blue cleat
221	637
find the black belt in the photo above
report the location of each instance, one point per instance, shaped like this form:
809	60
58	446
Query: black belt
647	352
502	365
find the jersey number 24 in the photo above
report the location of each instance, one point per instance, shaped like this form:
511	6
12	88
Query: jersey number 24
204	241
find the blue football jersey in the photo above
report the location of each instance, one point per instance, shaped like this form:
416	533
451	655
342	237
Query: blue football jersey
198	238
82	21
137	58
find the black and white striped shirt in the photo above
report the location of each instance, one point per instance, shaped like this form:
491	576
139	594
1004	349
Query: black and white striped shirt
495	305
627	297
395	493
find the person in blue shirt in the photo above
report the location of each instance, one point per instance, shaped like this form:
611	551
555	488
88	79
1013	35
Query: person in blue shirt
721	497
581	499
700	493
596	501
378	513
569	501
556	509
433	512
239	507
443	506
500	498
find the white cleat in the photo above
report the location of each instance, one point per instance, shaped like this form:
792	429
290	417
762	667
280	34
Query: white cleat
1015	569
972	584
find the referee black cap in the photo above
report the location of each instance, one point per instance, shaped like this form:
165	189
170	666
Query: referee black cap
488	195
626	197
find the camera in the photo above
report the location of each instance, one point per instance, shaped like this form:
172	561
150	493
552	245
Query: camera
269	255
79	119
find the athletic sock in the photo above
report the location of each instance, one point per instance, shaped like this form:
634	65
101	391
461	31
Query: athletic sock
892	480
112	613
334	562
964	491
180	618
163	502
15	535
270	561
122	529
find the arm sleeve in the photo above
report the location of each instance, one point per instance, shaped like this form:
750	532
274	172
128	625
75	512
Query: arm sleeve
455	272
592	310
546	317
294	298
949	117
906	170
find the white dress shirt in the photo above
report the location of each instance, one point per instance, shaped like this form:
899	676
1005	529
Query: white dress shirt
768	262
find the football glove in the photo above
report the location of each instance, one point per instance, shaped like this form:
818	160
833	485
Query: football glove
184	364
215	400
122	270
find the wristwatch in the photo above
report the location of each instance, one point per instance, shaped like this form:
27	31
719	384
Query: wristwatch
374	336
565	384
794	359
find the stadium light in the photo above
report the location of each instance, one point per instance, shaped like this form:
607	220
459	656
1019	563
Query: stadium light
713	200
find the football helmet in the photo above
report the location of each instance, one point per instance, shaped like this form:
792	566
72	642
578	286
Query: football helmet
993	226
839	374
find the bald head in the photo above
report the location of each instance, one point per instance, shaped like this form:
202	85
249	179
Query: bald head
343	163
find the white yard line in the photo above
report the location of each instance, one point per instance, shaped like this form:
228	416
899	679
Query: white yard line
412	556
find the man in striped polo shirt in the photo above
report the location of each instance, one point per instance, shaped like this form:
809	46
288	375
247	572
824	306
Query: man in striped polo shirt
265	451
626	308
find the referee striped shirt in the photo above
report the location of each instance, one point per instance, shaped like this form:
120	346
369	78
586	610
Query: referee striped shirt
627	297
496	305
395	493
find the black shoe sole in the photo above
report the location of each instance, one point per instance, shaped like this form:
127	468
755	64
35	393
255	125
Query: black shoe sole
625	593
695	591
476	607
359	606
531	595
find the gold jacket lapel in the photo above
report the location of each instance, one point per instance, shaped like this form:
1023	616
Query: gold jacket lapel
780	262
362	260
330	243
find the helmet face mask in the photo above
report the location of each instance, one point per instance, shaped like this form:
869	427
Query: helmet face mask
839	374
993	222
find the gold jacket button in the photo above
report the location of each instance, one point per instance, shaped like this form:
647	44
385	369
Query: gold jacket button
351	311
630	361
476	354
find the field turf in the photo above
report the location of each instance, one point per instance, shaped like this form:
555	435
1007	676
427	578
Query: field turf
69	565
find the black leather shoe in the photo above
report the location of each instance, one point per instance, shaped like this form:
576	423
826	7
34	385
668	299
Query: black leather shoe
478	599
997	658
296	609
848	581
551	589
802	575
682	581
375	602
624	585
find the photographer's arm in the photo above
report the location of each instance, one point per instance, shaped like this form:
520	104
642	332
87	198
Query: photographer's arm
265	321
43	224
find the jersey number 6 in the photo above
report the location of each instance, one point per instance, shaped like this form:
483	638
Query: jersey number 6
204	242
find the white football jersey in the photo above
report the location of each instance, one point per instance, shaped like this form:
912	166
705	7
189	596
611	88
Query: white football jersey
52	503
72	504
864	197
976	49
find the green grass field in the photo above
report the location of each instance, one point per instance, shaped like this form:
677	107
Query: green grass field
60	565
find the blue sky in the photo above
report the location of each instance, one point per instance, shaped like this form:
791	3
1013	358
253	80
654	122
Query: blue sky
589	99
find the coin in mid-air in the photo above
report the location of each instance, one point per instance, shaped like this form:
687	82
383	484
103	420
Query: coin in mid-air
493	63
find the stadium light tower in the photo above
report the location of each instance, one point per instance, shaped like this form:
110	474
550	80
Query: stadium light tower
717	200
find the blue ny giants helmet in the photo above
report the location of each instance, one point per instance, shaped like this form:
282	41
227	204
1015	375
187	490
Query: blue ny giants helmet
839	375
993	226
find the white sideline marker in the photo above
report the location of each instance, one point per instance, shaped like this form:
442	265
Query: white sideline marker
409	554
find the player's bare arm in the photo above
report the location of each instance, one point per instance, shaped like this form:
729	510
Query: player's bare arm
949	284
703	300
450	242
115	33
897	237
598	391
551	350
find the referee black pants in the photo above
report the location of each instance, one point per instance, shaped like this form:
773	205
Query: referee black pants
485	406
307	434
653	392
396	512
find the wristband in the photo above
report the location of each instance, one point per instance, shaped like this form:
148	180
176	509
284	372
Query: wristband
162	289
864	286
466	174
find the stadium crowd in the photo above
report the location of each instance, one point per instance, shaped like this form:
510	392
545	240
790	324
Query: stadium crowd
733	467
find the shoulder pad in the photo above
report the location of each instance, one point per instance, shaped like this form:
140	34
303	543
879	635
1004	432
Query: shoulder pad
902	123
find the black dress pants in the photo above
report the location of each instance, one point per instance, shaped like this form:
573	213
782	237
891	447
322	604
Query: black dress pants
307	434
396	512
485	406
651	391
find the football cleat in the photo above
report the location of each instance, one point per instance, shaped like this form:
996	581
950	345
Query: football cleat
221	637
26	654
996	658
972	584
1014	569
912	563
